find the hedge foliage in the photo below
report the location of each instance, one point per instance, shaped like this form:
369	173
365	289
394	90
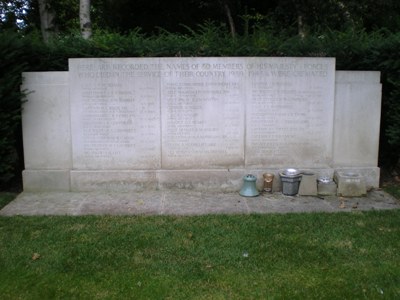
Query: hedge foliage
12	63
354	50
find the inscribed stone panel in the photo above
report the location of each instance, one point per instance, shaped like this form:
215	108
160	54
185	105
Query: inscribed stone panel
290	104
202	112
115	111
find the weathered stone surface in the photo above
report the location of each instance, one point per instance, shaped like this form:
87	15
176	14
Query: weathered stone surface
308	185
214	180
194	203
185	202
289	112
327	189
350	184
46	121
202	111
115	113
370	175
357	119
198	123
46	180
111	180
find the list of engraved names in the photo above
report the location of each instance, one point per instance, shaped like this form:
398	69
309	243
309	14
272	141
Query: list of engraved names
202	115
290	113
119	115
188	113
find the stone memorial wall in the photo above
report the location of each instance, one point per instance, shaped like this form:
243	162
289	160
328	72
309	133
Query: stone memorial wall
200	123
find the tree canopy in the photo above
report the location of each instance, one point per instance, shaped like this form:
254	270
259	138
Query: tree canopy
151	16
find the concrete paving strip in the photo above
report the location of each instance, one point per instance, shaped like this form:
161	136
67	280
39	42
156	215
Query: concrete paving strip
186	202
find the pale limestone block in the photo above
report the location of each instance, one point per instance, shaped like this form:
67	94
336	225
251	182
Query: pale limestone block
357	119
371	175
289	112
350	184
327	189
208	180
203	113
46	180
115	113
358	77
200	123
46	121
308	185
108	180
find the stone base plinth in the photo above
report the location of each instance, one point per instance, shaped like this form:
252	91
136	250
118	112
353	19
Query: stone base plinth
308	185
327	189
46	180
350	184
224	180
132	124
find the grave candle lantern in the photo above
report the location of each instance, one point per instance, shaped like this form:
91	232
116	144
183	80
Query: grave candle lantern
268	181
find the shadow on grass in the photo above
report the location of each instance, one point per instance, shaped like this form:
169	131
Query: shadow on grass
6	197
393	189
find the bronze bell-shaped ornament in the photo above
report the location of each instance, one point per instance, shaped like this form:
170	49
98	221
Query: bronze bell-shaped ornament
249	188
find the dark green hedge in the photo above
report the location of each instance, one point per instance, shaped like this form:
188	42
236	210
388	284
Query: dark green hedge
354	50
13	60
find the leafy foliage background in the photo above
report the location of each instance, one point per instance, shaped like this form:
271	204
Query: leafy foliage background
353	49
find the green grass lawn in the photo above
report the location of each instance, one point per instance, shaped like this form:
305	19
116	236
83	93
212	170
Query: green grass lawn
293	256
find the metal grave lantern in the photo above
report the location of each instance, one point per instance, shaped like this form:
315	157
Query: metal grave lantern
249	188
268	182
290	181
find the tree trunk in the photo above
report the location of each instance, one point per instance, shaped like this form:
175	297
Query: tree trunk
84	19
227	10
345	11
47	20
300	26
